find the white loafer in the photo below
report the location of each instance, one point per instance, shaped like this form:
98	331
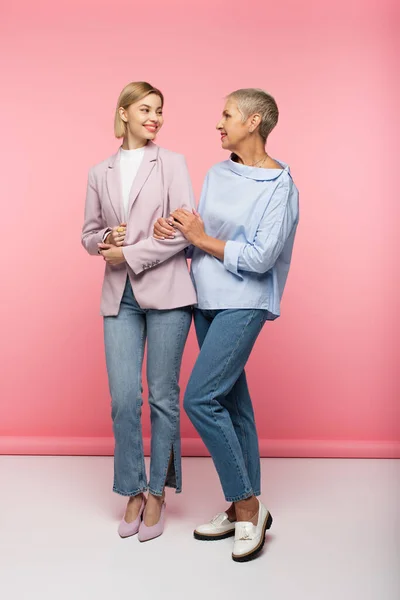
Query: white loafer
249	538
219	528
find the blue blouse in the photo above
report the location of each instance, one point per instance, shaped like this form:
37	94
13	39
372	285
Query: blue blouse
256	211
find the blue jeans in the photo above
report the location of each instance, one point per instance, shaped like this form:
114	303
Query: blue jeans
217	398
125	337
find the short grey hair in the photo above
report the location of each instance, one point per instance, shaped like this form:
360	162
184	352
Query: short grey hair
255	100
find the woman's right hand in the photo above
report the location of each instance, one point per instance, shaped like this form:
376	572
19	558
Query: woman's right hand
163	229
117	235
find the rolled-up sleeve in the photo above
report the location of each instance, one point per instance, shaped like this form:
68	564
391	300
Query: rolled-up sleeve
276	225
231	256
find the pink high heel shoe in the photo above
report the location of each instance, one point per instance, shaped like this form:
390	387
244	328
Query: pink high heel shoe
127	529
149	533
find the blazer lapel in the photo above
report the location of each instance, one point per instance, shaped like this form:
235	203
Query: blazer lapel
146	167
114	189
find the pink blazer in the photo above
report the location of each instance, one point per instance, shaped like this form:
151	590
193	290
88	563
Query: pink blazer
157	269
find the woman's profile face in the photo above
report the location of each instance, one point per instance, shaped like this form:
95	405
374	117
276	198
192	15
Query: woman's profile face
231	126
144	118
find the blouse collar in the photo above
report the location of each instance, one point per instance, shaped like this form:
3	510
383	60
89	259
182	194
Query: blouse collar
259	174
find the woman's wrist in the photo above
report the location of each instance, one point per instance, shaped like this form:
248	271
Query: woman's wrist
203	242
212	246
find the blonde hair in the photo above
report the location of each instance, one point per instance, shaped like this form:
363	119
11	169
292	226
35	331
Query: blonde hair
133	92
254	100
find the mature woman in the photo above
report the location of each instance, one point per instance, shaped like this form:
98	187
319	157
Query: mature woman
147	293
243	239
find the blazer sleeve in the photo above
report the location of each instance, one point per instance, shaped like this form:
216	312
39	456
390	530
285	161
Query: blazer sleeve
150	252
93	230
279	220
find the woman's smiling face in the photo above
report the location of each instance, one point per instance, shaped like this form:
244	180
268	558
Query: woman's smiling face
231	126
144	118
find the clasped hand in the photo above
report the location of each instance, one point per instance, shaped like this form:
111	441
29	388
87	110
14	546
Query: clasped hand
190	224
111	249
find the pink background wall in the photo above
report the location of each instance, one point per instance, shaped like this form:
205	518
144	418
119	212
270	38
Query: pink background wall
325	376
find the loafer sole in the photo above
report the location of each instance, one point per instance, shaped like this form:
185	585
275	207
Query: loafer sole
213	537
259	547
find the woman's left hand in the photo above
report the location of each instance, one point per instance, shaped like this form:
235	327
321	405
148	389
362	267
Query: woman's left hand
190	224
113	255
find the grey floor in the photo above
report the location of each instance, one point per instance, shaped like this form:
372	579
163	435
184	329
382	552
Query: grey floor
336	534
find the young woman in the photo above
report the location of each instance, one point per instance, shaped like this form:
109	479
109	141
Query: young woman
243	239
147	294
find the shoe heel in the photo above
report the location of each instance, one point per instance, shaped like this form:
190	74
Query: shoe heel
269	521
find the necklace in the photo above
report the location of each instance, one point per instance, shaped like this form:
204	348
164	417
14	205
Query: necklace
235	158
262	161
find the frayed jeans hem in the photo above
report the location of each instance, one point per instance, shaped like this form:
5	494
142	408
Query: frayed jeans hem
154	493
135	493
243	496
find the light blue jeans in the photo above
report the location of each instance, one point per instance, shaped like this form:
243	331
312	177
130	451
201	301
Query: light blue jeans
217	398
125	336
